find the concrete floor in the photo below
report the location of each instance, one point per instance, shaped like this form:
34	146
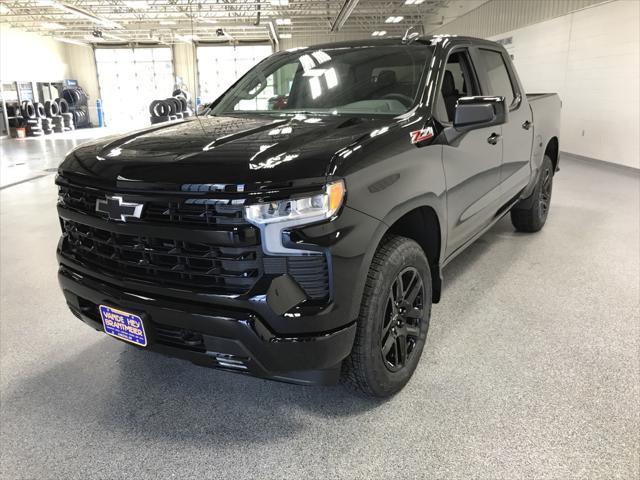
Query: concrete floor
531	368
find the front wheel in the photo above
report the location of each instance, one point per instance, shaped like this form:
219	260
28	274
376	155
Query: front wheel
531	213
394	319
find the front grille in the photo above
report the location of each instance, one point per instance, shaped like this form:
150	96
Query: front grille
201	212
231	264
169	262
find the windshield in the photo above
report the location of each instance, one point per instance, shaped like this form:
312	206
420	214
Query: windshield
352	80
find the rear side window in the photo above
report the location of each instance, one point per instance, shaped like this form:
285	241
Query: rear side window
499	80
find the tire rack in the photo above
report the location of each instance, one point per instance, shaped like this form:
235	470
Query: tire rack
79	109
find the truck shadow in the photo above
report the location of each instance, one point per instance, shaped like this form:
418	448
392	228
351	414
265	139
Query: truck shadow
124	391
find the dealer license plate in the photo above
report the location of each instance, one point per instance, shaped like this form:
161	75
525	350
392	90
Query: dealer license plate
123	325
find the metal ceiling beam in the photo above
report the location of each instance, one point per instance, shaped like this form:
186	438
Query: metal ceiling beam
343	15
309	18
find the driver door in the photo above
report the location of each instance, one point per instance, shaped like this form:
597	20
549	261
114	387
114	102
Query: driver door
472	163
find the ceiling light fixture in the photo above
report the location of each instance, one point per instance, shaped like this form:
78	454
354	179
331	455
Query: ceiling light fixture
279	3
52	26
394	20
379	33
413	2
285	35
283	21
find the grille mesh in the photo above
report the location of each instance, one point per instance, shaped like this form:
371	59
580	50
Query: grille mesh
165	261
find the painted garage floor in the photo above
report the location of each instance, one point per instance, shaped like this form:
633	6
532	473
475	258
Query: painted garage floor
531	368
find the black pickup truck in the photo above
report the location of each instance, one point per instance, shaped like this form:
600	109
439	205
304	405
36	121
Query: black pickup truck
297	230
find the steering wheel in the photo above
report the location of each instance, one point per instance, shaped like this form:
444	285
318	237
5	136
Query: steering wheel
403	99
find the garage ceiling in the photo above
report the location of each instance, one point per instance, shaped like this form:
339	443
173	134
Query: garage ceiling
170	21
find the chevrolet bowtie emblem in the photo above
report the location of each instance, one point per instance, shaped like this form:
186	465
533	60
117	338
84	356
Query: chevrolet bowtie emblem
117	209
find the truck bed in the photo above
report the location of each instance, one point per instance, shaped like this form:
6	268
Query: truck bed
545	109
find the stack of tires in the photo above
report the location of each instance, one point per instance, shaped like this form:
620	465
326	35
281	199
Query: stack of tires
45	122
172	108
64	122
30	119
77	101
52	112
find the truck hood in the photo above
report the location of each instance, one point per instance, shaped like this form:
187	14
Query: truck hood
233	149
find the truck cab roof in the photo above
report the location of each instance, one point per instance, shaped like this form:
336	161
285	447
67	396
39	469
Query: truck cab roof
452	40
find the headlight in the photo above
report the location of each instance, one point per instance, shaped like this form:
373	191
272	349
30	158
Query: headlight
304	210
274	217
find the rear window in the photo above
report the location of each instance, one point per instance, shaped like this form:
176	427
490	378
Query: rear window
499	80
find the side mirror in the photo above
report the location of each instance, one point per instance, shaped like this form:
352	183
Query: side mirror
479	112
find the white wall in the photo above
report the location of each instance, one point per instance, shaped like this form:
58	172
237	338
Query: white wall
592	59
82	67
184	64
26	56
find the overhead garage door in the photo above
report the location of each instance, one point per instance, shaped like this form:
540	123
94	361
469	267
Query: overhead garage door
220	66
130	78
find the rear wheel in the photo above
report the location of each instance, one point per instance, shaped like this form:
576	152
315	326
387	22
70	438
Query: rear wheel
393	321
531	213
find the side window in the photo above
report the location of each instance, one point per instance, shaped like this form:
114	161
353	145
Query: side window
458	81
497	74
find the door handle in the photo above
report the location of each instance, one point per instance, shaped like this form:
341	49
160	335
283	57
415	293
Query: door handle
493	138
526	125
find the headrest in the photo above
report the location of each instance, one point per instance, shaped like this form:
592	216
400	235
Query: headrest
386	78
448	85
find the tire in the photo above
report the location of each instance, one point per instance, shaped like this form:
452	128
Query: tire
63	106
531	213
54	108
159	108
28	110
182	93
382	327
183	103
39	108
73	97
174	105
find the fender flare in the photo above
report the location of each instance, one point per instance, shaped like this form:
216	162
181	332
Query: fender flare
428	200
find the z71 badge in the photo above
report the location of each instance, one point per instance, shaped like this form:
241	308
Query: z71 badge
421	135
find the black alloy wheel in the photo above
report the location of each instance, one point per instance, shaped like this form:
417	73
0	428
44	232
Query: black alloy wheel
403	319
545	192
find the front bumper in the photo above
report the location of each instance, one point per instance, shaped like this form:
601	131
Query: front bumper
213	337
242	333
